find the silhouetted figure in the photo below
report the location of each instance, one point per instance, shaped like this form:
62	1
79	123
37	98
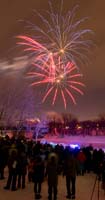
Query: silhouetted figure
52	172
103	176
38	176
81	160
70	170
30	169
12	166
21	169
3	156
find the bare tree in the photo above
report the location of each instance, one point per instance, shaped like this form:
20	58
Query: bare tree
16	103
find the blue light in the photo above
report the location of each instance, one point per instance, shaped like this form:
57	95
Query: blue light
73	146
53	143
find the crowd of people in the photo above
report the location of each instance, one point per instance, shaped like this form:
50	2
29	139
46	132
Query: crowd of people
40	161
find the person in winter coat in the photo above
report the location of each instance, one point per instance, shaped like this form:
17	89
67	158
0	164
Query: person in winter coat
12	166
52	173
81	160
70	171
21	169
30	169
38	176
103	176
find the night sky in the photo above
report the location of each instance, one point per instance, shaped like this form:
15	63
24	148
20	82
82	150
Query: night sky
13	65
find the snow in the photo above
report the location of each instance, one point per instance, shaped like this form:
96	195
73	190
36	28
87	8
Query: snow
84	187
95	141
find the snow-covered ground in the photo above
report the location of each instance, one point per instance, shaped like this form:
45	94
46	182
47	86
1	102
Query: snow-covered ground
84	187
95	141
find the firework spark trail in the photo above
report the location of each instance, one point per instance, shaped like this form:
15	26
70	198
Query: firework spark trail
33	46
63	97
78	90
75	82
55	95
70	95
48	92
43	56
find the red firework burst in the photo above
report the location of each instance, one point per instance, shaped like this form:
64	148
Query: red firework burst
62	82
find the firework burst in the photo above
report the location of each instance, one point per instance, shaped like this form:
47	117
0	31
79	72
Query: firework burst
63	83
58	47
61	35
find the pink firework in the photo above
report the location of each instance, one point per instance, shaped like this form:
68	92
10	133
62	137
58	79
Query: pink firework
42	58
62	83
58	47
